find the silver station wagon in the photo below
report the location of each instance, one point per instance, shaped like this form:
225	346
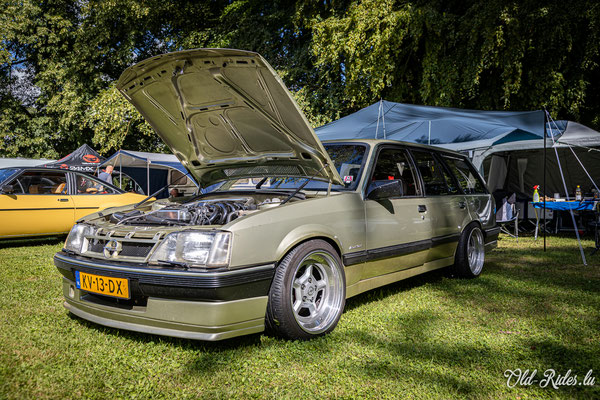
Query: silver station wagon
291	228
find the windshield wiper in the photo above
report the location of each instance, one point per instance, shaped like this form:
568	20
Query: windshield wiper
262	181
295	192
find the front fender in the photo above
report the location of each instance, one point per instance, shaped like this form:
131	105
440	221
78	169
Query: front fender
303	233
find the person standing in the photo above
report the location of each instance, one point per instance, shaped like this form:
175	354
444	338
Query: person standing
106	175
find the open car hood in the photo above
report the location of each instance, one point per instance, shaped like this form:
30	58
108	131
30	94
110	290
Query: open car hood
226	114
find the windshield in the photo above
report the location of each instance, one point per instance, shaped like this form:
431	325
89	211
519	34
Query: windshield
348	159
5	173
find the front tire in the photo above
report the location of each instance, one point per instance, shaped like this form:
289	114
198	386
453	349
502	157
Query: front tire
470	254
308	292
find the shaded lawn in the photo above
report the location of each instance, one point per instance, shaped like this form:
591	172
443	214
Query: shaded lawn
426	337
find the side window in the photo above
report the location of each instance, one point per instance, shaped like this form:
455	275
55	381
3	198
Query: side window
466	175
451	181
88	185
178	178
126	183
435	178
40	182
394	164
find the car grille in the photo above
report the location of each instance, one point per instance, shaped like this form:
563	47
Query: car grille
131	248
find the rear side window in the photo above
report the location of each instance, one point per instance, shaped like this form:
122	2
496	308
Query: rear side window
436	179
91	186
468	179
394	164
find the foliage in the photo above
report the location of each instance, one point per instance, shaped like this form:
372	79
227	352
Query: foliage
60	58
115	121
425	338
495	55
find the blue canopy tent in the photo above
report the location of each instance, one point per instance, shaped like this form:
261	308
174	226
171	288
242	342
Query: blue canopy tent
447	127
151	171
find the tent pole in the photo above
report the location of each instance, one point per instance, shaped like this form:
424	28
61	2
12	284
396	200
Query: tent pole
429	135
544	180
147	177
562	175
120	173
383	119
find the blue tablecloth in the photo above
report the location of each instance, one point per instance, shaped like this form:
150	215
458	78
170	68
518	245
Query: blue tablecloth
567	205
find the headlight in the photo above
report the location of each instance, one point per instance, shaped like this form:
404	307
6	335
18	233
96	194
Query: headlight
76	240
210	249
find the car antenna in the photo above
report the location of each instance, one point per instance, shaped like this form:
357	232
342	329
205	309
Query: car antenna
303	184
160	190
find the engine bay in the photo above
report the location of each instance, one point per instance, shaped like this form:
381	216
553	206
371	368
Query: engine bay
215	211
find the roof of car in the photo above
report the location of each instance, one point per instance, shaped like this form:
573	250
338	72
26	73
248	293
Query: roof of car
374	142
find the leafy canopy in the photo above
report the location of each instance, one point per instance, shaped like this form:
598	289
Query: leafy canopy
59	59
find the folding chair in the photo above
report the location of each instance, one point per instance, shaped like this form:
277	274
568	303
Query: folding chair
508	214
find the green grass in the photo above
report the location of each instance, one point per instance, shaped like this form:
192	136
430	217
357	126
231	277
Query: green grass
426	337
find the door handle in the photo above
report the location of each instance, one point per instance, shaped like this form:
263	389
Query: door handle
422	208
462	204
63	200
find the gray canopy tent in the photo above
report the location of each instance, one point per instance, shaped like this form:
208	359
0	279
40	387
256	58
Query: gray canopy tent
151	171
515	166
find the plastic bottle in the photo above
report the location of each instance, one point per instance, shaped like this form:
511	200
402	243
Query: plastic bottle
578	195
536	194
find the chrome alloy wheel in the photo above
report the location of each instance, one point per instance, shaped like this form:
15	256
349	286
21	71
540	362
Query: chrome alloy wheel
475	251
317	292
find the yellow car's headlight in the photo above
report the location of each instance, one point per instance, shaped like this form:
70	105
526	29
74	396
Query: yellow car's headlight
210	249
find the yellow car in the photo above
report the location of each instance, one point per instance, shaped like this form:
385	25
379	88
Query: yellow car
41	201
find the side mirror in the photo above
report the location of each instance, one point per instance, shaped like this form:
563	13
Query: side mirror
378	190
7	189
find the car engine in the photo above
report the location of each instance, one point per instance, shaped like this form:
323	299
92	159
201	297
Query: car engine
204	212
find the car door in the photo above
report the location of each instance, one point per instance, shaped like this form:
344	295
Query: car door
445	204
479	200
91	194
397	233
37	203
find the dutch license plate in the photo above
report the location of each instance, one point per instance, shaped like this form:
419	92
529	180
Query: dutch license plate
106	285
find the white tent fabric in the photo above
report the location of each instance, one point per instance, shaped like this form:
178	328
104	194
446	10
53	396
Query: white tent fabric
576	138
522	165
575	135
497	175
23	162
579	135
141	159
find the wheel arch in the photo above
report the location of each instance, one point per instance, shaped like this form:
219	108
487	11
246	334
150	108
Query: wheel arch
305	234
464	227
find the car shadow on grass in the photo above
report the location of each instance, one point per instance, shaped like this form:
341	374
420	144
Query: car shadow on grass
32	242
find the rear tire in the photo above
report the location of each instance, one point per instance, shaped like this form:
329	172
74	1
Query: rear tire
308	292
470	253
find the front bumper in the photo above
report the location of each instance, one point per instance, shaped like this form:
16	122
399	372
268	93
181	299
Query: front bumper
193	305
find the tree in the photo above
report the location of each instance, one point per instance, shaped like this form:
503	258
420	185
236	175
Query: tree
501	55
59	59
